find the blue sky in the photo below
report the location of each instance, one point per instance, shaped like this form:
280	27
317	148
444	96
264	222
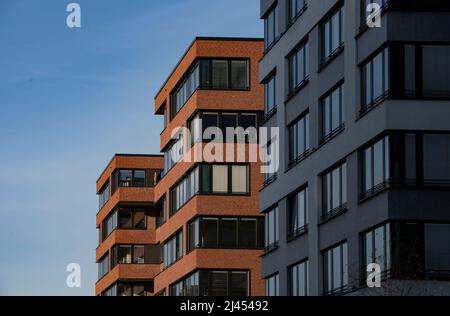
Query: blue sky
70	99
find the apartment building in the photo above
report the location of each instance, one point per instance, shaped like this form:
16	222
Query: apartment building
364	144
204	216
128	254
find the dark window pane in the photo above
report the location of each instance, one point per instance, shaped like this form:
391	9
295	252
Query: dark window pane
139	220
247	120
139	178
436	160
220	74
209	232
239	75
248	233
437	249
228	232
436	70
205	68
219	283
125	218
239	284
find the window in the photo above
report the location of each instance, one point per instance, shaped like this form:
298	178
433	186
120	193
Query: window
125	218
418	71
336	270
103	266
173	249
271	27
129	289
161	212
298	213
204	120
376	168
185	90
239	75
375	78
224	74
103	196
271	165
269	96
298	67
296	8
298	279
190	286
213	283
377	248
437	250
224	179
211	232
419	159
135	254
436	70
333	113
299	139
436	159
332	35
210	179
185	190
271	229
173	154
272	286
334	191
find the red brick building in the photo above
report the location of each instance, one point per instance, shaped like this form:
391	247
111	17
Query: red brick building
203	232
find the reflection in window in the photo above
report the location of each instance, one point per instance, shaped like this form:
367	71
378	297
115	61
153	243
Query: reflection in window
296	7
375	77
334	191
333	113
213	283
103	266
332	34
125	218
103	195
298	279
299	139
377	246
376	165
211	232
271	229
272	286
271	27
336	269
298	67
270	102
173	249
298	213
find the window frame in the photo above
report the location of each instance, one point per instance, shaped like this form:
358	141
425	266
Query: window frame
343	273
291	275
329	212
296	82
294	230
327	56
327	101
293	129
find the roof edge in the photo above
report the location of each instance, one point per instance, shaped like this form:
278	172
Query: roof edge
207	38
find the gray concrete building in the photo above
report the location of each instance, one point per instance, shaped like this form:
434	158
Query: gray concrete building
364	118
